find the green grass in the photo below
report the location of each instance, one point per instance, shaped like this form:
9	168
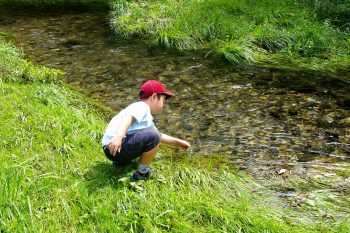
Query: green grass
273	33
55	178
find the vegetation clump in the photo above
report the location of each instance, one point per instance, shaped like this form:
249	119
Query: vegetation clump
279	33
335	11
17	70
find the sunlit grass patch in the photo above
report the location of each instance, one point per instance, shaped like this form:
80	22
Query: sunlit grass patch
247	31
13	69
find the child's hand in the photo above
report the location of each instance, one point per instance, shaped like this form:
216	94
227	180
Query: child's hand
115	146
174	141
184	144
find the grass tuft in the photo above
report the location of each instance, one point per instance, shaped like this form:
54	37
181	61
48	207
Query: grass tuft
261	32
17	70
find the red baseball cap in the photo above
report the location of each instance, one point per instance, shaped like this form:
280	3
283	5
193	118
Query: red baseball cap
153	86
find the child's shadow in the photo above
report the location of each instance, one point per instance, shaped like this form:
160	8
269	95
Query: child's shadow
104	174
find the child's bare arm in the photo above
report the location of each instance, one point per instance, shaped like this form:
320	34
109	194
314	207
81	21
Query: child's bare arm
115	144
174	141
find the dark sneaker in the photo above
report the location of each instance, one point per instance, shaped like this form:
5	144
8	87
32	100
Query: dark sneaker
139	176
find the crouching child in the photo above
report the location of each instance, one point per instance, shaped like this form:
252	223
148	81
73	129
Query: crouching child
132	133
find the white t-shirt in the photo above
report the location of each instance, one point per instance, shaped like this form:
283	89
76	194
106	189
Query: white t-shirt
140	111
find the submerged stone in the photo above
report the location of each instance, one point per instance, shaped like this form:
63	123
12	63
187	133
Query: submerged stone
345	121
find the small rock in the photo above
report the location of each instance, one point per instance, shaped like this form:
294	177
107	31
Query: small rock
329	174
311	202
257	188
345	121
280	172
328	216
243	168
329	118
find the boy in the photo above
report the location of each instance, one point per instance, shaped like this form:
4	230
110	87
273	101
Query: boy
132	133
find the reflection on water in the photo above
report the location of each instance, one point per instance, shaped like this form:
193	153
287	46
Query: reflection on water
255	116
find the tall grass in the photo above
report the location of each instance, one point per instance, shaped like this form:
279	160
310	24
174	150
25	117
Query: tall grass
55	178
336	11
17	70
262	32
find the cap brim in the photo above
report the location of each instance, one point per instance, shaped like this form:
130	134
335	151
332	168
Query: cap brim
168	94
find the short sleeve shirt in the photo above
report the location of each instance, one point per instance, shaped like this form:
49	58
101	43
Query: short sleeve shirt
140	111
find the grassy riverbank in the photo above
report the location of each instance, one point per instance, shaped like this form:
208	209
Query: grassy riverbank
54	177
294	34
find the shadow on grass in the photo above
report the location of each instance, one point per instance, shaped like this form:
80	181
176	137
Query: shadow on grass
103	174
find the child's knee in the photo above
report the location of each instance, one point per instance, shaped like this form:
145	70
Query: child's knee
153	140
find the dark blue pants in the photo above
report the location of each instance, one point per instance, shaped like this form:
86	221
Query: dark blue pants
134	145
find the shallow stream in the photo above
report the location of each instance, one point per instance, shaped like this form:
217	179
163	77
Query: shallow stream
262	119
